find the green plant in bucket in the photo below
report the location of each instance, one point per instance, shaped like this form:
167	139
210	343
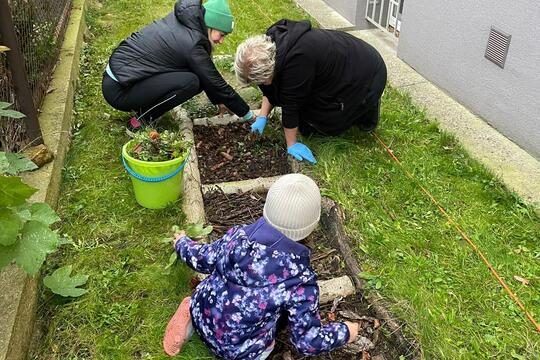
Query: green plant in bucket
149	145
155	162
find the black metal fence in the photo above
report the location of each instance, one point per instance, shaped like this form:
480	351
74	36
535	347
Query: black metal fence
33	30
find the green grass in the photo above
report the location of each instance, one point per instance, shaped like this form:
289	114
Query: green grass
115	241
437	284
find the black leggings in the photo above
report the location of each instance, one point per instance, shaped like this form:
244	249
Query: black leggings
152	97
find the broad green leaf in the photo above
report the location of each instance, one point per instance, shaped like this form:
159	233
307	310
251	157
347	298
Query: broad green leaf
172	260
24	213
13	191
43	213
198	230
11	225
30	251
62	283
4	105
11	114
17	163
170	263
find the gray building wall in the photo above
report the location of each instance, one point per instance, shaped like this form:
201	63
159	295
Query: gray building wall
352	10
445	41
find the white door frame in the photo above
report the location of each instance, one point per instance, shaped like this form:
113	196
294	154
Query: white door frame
374	17
394	20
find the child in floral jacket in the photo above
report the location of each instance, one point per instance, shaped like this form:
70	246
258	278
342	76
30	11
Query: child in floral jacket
258	272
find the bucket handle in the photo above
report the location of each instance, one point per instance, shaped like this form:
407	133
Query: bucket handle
153	179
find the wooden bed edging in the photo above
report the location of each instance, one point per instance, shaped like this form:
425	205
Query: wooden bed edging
332	218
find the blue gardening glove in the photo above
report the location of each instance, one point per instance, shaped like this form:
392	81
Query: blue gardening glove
301	152
259	124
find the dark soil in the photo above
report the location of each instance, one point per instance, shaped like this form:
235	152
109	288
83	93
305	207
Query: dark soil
355	309
325	260
231	153
226	210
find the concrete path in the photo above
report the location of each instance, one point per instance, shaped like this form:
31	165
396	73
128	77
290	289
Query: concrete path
325	15
514	166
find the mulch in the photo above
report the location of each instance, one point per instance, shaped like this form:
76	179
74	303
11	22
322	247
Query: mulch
374	344
231	153
226	210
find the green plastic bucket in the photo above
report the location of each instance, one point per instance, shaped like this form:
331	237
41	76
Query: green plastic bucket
156	184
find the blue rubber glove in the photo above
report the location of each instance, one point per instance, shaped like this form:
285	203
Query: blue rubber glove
259	124
301	152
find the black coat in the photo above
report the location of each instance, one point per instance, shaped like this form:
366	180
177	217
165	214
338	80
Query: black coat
178	42
322	77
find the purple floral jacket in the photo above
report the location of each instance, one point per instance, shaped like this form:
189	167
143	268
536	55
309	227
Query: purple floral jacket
256	274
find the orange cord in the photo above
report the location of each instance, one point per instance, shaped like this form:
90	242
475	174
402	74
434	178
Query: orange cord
501	281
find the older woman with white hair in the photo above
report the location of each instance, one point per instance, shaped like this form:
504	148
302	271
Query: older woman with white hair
325	81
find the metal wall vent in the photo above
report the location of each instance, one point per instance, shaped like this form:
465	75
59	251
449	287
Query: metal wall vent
497	47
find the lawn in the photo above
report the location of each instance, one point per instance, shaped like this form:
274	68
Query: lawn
415	257
437	285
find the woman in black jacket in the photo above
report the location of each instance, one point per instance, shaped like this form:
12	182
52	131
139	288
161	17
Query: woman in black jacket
169	62
324	80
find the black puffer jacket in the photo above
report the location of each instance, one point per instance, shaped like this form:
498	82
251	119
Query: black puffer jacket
322	77
178	42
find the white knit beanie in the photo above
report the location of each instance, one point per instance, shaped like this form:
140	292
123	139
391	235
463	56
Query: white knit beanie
293	206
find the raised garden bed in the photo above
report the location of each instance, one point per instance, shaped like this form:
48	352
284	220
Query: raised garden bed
225	204
231	153
352	308
226	210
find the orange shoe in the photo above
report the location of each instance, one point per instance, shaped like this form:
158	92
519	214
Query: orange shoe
177	331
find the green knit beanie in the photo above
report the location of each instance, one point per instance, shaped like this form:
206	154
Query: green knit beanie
218	15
